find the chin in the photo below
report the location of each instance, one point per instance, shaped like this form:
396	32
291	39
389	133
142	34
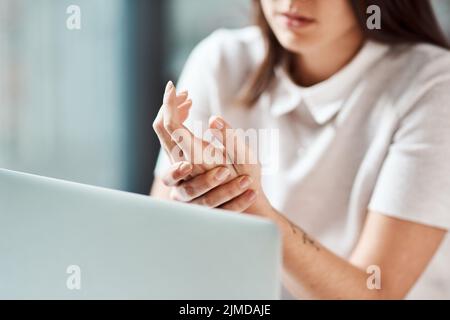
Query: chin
298	44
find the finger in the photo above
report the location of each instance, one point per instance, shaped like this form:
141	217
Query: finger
241	203
181	97
224	193
232	139
176	173
234	142
198	186
170	94
173	119
166	141
219	128
175	106
183	109
170	147
183	104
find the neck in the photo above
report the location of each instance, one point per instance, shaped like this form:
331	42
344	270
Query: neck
315	66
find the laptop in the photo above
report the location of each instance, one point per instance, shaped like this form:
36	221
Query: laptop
63	240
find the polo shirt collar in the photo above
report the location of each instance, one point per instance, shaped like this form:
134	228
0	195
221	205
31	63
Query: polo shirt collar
325	99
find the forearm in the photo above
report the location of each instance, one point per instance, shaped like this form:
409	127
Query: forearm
311	271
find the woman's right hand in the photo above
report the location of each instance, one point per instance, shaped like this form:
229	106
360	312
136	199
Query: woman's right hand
194	181
169	123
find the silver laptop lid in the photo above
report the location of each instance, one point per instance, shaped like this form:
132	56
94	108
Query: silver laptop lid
62	240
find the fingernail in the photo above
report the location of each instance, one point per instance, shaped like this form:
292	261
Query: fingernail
252	195
218	124
169	85
185	167
222	174
245	182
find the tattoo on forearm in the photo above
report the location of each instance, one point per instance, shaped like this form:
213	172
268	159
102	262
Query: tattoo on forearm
308	240
305	237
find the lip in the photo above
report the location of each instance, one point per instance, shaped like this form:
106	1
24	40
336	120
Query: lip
295	21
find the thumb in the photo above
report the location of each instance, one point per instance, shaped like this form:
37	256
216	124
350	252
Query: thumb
234	141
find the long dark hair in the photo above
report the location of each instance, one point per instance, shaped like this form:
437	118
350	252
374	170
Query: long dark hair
403	21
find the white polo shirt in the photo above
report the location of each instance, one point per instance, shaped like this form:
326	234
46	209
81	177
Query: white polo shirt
375	136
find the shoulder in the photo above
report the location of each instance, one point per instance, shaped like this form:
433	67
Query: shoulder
417	72
420	64
429	62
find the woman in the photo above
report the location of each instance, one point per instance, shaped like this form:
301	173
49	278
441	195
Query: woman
362	186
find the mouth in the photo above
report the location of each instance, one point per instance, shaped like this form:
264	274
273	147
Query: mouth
296	21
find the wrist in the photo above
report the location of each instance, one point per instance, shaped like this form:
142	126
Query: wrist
262	208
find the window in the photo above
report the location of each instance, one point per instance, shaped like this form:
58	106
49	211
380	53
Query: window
61	91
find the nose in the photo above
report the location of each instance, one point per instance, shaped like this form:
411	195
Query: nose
294	5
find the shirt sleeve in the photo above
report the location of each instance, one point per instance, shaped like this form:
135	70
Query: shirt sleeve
414	182
198	78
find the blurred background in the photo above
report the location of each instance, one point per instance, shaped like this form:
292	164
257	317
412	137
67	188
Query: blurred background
79	104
